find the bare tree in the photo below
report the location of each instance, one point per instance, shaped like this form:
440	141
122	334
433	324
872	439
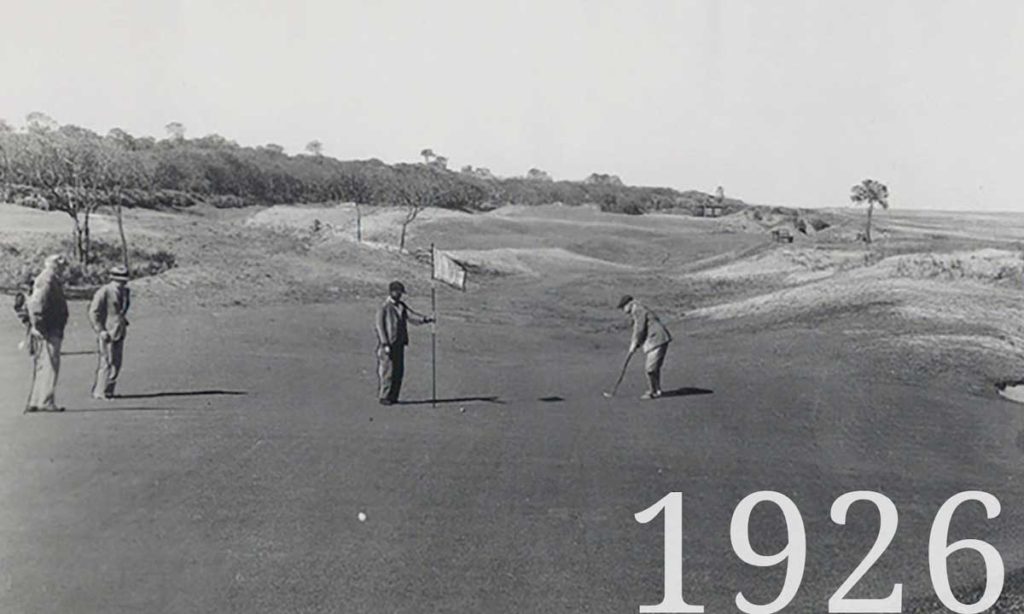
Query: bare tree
415	190
873	193
119	170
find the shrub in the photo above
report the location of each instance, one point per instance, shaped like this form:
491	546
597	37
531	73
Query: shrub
227	201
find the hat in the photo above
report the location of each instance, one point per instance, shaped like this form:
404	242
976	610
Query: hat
625	300
119	273
396	286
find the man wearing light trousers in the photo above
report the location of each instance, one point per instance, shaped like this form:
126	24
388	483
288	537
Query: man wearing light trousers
48	315
107	313
650	335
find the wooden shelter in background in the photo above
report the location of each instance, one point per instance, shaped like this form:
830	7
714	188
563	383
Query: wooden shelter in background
714	210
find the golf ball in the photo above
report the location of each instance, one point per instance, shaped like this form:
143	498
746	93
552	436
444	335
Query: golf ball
362	517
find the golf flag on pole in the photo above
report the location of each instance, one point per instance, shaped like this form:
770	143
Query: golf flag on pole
449	270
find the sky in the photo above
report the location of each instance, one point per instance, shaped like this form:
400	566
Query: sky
787	102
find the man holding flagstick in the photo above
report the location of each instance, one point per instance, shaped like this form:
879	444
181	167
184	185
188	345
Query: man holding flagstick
392	326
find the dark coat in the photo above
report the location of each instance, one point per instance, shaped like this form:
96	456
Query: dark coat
47	307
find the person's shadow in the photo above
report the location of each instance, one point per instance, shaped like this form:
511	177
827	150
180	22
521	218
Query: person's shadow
685	391
491	399
181	393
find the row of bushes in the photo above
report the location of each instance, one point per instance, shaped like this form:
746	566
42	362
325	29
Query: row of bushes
178	172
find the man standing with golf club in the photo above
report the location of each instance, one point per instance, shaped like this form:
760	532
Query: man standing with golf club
651	335
48	315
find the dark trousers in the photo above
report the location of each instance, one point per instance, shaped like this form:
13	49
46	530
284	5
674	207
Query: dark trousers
390	370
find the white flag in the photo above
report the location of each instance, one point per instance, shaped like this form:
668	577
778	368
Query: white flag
449	270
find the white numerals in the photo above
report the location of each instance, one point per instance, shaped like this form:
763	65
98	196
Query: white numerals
673	603
794	555
939	551
888	519
795	552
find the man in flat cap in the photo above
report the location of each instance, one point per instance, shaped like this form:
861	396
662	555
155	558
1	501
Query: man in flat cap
392	326
650	335
48	315
107	313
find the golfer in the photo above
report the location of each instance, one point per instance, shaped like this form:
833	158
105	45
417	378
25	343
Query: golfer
48	315
107	313
392	336
651	335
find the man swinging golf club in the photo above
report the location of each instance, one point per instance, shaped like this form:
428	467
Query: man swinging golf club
650	334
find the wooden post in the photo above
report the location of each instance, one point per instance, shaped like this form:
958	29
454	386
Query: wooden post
433	331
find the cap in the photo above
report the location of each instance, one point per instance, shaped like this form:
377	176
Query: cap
396	286
55	260
625	300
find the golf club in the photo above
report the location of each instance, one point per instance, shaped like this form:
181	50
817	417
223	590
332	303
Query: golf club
622	374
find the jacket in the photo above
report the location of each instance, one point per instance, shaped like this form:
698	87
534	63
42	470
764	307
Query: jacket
648	330
393	324
108	309
47	307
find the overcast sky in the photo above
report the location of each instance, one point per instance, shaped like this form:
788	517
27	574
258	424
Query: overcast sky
783	102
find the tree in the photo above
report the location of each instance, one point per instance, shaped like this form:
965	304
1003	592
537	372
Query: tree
122	138
274	149
720	195
535	174
315	148
119	169
427	155
65	165
414	189
603	179
176	131
440	162
873	193
38	121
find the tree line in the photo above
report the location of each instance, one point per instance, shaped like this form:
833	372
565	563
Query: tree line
75	170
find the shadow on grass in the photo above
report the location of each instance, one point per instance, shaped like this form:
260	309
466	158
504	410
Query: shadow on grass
182	393
85	410
685	391
492	399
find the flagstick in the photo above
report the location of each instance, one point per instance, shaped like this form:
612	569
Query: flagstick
433	331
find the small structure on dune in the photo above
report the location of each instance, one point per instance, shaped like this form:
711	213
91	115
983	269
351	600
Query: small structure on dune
782	235
713	210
